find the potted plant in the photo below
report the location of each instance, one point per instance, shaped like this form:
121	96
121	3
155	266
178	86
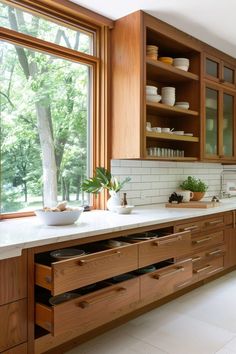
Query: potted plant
101	180
196	185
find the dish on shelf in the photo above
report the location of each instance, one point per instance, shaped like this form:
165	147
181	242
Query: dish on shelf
181	63
166	60
153	98
151	90
67	253
188	134
58	299
183	105
178	132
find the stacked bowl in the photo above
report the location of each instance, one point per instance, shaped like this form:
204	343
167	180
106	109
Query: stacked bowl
152	52
181	63
166	60
168	95
151	94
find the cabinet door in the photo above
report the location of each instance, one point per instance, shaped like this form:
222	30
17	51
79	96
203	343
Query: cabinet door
211	122
228	73
228	124
212	68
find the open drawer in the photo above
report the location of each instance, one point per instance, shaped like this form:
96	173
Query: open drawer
164	247
163	282
69	274
88	311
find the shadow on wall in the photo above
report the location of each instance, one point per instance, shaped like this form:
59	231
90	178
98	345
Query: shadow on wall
195	29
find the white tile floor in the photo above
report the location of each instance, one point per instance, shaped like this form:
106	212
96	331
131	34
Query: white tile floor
200	322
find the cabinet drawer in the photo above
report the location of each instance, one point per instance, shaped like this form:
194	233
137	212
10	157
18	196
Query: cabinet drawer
207	240
165	247
211	223
194	227
19	349
13	324
89	311
208	268
77	272
163	282
210	253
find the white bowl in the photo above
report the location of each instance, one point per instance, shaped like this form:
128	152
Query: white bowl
54	218
168	101
151	90
181	61
153	98
183	105
120	209
165	130
181	67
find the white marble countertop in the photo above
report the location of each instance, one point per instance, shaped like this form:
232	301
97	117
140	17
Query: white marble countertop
17	234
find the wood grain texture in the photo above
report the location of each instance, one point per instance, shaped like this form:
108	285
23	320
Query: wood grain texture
13	279
19	349
13	324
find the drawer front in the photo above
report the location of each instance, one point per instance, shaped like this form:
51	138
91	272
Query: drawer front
229	218
194	227
163	282
89	311
13	324
213	223
210	253
19	349
164	247
207	268
81	271
207	240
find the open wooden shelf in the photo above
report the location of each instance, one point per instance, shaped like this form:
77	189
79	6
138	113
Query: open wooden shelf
169	111
184	159
165	73
167	136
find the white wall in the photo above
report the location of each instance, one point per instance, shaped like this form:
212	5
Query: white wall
153	181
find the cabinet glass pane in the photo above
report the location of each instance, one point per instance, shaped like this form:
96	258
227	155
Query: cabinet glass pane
211	121
228	75
228	111
212	68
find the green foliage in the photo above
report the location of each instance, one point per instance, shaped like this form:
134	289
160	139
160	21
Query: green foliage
194	184
103	180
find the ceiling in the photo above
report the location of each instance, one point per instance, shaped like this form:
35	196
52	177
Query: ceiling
212	21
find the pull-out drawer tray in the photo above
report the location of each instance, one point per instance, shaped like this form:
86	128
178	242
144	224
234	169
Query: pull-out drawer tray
89	311
77	272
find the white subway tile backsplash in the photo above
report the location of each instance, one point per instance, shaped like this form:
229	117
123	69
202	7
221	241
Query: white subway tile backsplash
154	181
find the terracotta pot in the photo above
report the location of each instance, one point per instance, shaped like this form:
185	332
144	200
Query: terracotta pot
197	196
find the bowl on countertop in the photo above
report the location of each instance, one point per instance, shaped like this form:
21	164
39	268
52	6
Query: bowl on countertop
127	209
57	218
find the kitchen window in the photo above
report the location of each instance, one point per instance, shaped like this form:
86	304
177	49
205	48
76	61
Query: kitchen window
49	110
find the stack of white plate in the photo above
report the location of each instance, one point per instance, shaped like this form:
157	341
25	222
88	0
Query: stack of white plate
181	63
168	95
151	94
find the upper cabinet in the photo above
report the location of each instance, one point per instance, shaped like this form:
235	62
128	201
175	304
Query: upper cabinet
218	100
145	65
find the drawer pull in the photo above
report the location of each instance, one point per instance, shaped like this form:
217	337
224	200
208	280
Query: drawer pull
195	259
82	262
213	253
168	274
190	228
202	269
108	296
214	222
48	279
162	242
216	270
202	240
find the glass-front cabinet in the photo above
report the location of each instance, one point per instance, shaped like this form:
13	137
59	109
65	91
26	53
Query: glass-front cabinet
219	71
219	126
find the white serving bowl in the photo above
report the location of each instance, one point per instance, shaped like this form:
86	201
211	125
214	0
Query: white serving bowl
183	105
151	90
54	218
170	101
178	132
153	98
181	63
165	130
120	209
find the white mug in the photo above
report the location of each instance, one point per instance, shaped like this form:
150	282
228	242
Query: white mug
187	195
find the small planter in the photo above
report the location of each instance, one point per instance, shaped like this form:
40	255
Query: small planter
197	196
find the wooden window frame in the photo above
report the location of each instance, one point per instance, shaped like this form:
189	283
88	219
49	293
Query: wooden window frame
77	17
